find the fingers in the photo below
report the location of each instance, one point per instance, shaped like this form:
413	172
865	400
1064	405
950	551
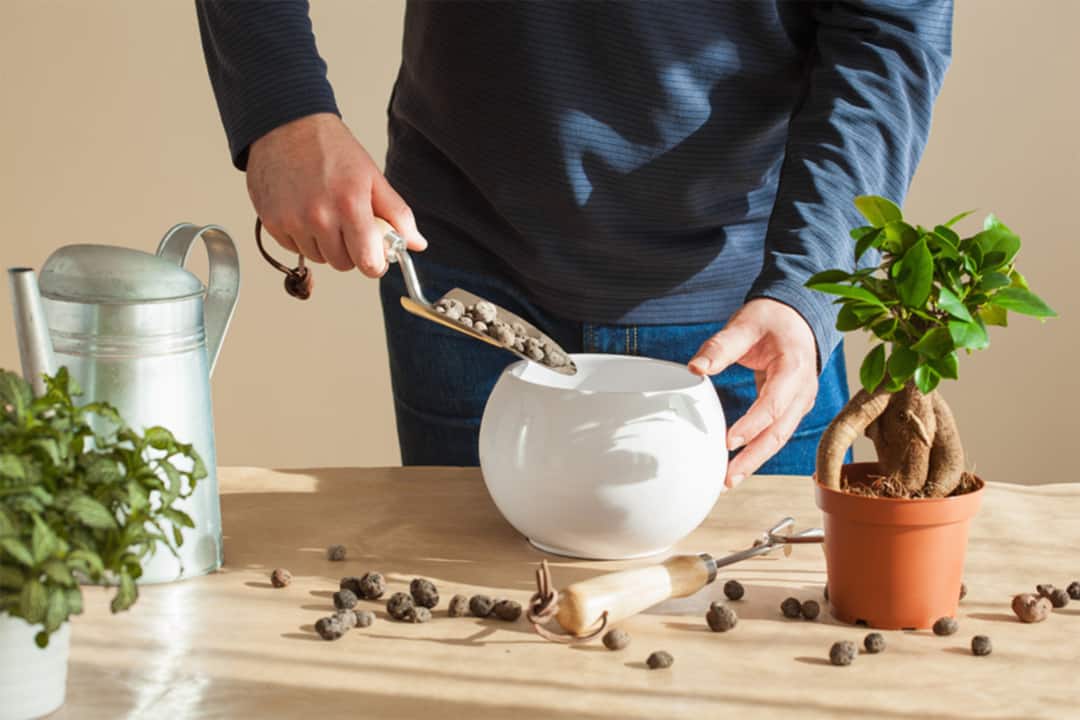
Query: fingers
783	386
362	238
724	348
282	238
766	444
387	204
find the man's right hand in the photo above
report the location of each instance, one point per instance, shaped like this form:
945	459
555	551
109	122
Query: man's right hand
317	192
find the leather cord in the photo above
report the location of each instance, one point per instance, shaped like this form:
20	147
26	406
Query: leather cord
298	280
544	605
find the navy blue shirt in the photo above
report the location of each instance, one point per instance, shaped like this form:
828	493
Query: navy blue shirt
625	162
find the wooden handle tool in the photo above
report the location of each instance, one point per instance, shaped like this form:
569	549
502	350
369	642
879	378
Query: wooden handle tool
585	608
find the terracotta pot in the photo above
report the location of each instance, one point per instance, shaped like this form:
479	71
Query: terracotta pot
894	564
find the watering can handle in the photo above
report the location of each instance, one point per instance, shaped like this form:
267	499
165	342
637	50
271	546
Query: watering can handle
224	285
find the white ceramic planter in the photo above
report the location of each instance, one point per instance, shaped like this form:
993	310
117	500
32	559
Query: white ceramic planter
622	460
32	680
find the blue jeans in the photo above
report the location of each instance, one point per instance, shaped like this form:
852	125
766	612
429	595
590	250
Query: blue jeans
441	379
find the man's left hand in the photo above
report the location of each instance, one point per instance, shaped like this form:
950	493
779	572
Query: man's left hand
775	342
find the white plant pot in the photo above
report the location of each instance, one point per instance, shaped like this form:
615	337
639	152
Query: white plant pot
32	680
621	460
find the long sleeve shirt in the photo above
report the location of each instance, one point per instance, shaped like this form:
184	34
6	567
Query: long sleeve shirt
625	162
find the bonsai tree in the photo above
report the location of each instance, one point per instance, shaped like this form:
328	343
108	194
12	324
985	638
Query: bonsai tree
79	505
932	294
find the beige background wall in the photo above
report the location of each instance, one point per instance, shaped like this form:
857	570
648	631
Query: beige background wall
109	133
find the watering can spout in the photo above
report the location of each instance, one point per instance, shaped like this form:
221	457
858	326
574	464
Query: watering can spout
31	329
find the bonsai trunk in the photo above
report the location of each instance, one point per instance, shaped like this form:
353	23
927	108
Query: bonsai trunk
918	444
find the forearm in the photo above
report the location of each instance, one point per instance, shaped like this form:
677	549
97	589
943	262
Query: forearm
860	129
264	67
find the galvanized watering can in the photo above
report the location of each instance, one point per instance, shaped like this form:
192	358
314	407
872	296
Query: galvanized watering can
142	333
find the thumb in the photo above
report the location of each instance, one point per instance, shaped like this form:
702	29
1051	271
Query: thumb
723	349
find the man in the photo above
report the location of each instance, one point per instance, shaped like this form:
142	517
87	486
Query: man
654	178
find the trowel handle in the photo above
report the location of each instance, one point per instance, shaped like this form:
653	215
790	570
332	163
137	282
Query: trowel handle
396	252
628	592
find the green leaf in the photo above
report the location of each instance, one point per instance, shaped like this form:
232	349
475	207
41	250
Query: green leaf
91	513
951	304
56	611
32	601
886	328
1022	301
137	497
18	550
847	291
872	371
198	469
58	572
828	276
73	597
958	218
177	517
159	438
88	561
855	315
12	466
947	234
915	276
869	240
126	594
15	391
926	379
878	211
998	241
992	315
993	281
43	541
7	522
1018	280
947	366
899	236
934	344
902	363
103	470
969	335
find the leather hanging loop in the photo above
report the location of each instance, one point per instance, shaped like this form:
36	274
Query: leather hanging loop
298	280
544	605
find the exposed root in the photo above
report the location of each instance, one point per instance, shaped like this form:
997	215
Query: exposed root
863	409
947	455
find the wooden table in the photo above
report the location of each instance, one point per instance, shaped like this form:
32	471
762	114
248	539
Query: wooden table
230	646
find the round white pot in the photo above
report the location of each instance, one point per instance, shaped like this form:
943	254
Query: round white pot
621	460
32	680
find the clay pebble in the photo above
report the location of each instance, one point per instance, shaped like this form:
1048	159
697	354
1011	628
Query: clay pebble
660	659
963	590
352	584
364	618
335	553
458	607
1059	598
398	605
417	614
733	590
1074	590
329	628
508	610
345	600
874	643
372	586
981	646
481	605
810	610
945	626
791	608
280	578
424	593
721	618
347	618
842	653
1031	608
616	639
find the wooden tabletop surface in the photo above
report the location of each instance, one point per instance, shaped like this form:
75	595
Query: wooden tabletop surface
229	645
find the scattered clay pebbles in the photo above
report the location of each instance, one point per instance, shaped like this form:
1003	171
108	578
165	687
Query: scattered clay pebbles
482	318
616	639
280	578
842	653
659	660
791	607
508	610
481	606
810	610
335	553
980	645
1074	590
1031	608
874	643
399	605
424	593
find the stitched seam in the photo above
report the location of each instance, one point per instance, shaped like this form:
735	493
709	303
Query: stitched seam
635	341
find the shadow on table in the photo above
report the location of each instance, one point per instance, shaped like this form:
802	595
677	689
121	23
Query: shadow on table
450	532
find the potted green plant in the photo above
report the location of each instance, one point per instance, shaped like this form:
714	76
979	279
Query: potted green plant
896	530
83	499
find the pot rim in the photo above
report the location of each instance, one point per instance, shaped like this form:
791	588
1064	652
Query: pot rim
897	511
693	382
898	501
